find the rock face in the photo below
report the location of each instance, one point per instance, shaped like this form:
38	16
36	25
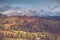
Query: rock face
29	28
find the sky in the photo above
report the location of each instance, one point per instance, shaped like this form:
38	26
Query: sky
52	5
29	3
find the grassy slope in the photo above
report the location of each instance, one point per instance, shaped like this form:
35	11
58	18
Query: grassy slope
29	28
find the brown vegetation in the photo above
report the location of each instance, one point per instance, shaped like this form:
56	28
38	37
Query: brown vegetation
29	28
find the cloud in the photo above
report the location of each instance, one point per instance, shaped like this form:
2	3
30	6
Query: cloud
53	5
31	12
20	12
5	8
